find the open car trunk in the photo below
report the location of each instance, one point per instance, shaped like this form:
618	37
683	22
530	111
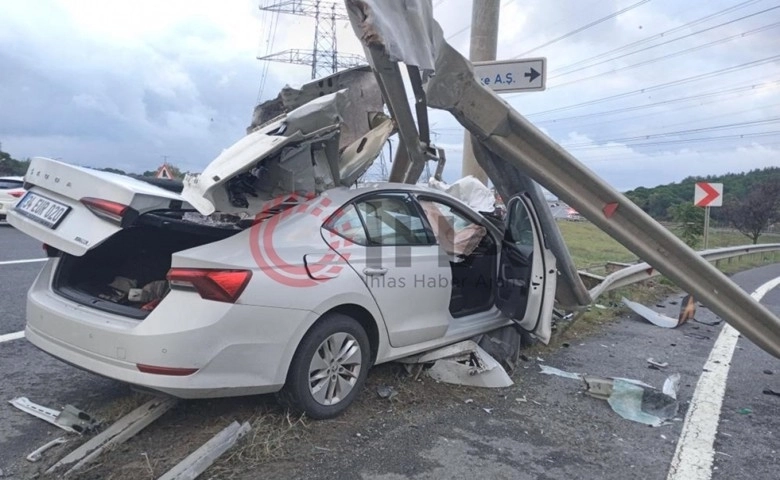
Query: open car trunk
126	274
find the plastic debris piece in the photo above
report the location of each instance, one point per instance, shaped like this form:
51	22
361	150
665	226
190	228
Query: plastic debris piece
744	411
468	400
769	391
386	391
488	410
768	372
656	363
70	419
463	363
548	370
651	316
36	455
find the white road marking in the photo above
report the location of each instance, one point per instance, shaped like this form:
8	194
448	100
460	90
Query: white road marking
29	260
695	450
11	336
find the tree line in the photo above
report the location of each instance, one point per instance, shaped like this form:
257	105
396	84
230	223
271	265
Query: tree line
751	202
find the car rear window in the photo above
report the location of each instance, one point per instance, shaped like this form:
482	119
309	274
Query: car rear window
9	184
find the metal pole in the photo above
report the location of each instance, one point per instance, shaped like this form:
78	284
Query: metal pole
706	227
484	43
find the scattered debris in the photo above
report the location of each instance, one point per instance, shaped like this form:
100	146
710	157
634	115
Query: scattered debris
548	370
635	401
468	400
745	411
657	364
521	399
202	458
119	432
687	310
70	419
488	410
713	323
463	363
36	455
768	372
653	317
599	306
386	391
696	336
631	399
769	391
503	344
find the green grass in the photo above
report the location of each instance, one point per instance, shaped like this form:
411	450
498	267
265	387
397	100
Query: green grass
591	248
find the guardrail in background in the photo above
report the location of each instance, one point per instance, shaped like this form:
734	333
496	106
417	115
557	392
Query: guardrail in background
643	271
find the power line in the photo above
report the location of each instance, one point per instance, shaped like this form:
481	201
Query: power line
691	131
682	81
679	141
584	27
660	35
671	41
670	55
754	87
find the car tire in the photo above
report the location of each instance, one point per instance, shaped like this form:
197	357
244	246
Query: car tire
327	372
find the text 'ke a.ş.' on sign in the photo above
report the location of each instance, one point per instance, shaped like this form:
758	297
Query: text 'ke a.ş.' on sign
522	75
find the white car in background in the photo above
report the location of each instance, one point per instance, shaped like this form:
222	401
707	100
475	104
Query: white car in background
301	297
11	189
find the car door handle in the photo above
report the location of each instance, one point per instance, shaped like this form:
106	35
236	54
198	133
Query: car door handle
375	271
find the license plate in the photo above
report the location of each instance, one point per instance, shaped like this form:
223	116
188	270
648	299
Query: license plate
41	209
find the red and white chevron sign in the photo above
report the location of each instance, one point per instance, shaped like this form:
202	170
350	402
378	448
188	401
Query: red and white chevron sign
708	194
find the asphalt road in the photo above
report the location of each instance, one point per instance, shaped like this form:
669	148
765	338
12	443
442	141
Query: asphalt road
543	427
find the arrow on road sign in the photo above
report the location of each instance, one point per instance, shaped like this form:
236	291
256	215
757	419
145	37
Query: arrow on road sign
708	194
532	75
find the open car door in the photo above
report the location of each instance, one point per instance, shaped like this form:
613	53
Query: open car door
526	292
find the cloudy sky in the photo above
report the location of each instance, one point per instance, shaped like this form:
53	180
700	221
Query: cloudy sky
663	90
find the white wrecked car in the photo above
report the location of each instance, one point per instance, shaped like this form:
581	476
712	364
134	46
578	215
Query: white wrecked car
302	296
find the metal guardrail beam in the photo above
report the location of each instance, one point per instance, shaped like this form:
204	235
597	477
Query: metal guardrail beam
643	271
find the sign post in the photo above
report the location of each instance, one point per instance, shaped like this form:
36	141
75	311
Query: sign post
707	195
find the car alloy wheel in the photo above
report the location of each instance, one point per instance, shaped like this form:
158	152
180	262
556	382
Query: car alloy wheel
335	368
329	367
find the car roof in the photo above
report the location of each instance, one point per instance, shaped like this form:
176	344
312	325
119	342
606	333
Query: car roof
342	195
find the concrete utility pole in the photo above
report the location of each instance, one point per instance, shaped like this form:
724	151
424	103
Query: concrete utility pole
484	42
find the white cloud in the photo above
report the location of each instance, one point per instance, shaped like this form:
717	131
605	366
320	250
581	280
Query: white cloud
122	84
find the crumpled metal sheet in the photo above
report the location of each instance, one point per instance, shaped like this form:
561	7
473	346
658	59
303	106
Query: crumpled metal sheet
405	30
650	315
463	363
363	98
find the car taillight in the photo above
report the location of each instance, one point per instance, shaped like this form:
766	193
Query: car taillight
173	371
113	211
16	194
218	285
